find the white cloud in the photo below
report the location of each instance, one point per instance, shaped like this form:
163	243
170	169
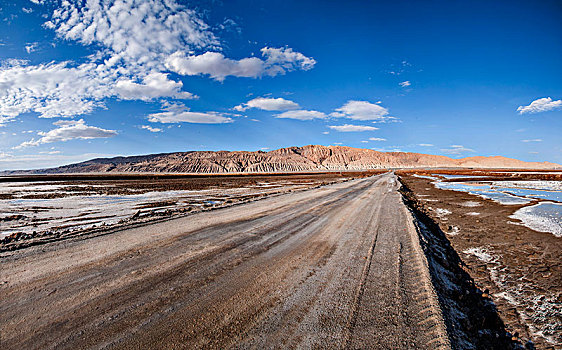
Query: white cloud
541	105
405	83
154	85
301	115
268	104
376	139
425	145
326	132
69	130
150	128
533	140
63	90
137	34
276	61
179	113
364	141
31	47
52	90
352	128
281	60
388	149
135	42
134	39
362	110
456	150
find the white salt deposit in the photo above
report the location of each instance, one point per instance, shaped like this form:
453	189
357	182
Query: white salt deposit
426	177
471	204
480	253
542	217
442	212
537	185
454	231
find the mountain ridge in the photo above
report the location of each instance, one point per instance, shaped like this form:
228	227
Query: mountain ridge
289	159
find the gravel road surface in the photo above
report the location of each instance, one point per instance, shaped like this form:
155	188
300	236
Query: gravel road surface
334	267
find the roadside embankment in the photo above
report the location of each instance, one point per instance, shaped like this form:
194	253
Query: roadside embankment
471	316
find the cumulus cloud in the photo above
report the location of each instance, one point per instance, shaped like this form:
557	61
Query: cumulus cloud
456	150
541	105
179	113
138	43
425	144
352	128
134	38
405	83
150	128
137	34
268	104
362	110
275	61
376	139
301	115
52	90
154	85
69	130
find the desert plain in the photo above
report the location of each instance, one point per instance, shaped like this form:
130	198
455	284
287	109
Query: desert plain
371	259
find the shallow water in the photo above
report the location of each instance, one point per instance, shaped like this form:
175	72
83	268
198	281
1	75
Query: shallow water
81	211
533	193
543	217
484	191
459	176
76	207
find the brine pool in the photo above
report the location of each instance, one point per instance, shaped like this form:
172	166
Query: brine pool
76	209
545	216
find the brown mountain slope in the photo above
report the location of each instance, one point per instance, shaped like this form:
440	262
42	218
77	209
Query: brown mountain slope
307	158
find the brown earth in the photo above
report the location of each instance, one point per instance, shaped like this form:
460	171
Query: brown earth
218	185
525	265
98	184
334	267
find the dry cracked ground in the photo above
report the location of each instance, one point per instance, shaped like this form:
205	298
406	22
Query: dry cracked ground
339	266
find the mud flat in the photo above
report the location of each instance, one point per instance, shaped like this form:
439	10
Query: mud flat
517	267
36	208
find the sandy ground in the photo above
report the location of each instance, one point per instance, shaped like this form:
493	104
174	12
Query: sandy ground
334	267
520	267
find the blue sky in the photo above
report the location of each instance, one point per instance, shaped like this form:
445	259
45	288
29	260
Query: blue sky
101	78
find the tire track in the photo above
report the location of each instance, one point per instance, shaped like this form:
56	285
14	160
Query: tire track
302	270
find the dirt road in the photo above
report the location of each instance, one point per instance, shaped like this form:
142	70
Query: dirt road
334	267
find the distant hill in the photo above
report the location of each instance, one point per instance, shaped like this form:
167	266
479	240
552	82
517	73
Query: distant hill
292	159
